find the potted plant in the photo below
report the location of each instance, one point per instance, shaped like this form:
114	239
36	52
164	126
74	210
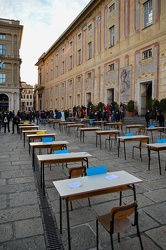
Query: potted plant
130	107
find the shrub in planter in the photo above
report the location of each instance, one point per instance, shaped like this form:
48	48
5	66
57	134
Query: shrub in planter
130	106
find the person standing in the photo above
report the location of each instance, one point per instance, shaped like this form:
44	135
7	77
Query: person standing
147	117
6	122
16	121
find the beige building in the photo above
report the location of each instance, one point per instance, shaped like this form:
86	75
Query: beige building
10	61
115	50
26	97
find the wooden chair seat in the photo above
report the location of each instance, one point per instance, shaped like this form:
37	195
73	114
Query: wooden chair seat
118	220
140	146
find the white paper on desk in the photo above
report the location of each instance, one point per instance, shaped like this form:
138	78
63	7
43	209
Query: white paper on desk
75	184
111	177
83	153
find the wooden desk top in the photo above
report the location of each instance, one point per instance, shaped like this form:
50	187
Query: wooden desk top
95	183
36	144
106	132
41	135
66	156
134	125
89	129
132	137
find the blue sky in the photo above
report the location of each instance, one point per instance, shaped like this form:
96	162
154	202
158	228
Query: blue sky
44	21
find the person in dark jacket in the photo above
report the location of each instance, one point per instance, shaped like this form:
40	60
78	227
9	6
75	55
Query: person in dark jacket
6	122
16	121
147	117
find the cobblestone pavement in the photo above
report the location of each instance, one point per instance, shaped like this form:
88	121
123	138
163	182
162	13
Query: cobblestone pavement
21	214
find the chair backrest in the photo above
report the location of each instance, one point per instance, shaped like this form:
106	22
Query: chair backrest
55	147
40	132
142	129
47	139
96	170
63	151
113	135
77	171
121	212
26	123
144	140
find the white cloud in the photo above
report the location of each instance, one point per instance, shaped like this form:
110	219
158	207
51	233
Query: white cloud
44	21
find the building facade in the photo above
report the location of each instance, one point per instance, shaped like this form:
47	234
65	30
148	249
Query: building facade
10	61
115	50
26	97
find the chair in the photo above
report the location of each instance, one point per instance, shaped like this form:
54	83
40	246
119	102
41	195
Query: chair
55	148
142	144
91	122
141	130
26	123
61	151
118	220
112	137
75	172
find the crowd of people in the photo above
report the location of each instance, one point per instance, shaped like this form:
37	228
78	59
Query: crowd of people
108	112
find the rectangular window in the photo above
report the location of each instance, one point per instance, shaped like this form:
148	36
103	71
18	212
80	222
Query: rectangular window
27	103
2	65
147	53
27	96
70	62
71	44
111	67
112	7
89	50
31	103
2	49
2	36
89	75
148	13
90	27
56	70
79	56
30	96
111	30
63	67
78	79
2	78
79	36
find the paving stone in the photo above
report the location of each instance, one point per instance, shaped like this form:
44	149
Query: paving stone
22	199
30	243
6	232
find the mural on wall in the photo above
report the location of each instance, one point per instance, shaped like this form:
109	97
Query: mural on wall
125	84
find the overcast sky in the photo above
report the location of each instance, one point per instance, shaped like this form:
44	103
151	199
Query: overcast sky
44	21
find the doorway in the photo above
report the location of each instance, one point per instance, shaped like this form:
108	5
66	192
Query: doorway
146	95
4	102
110	96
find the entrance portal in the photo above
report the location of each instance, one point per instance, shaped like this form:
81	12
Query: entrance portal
146	95
4	102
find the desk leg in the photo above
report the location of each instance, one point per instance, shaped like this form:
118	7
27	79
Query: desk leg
100	141
24	140
96	140
149	158
124	149
60	211
68	224
118	146
29	145
83	136
41	174
80	134
152	136
43	181
33	158
159	162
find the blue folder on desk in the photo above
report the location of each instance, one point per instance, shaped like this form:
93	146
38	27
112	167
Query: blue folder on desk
96	170
129	134
151	126
161	141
